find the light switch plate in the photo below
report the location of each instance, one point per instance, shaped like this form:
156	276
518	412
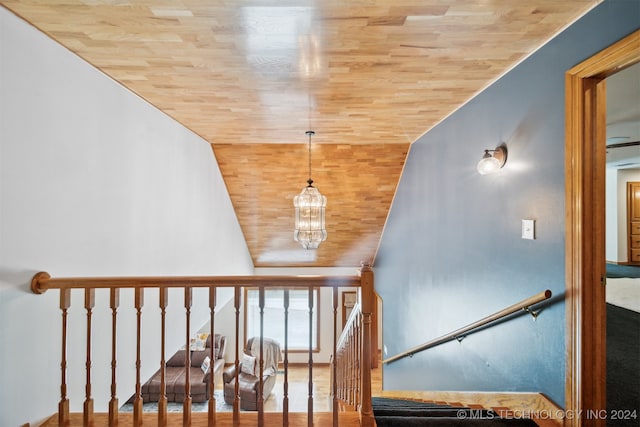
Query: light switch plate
528	229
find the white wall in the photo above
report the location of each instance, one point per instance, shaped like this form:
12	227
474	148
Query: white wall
94	181
616	222
611	222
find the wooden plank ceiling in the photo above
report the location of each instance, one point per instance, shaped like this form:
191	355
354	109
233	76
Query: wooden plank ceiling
251	76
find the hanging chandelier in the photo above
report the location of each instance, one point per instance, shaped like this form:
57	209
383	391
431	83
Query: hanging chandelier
310	205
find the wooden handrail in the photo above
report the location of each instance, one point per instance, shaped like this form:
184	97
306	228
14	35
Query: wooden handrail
344	336
42	281
358	348
465	330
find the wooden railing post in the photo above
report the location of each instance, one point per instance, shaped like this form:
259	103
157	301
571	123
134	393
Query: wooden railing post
285	400
137	402
260	397
367	295
114	302
162	399
212	356
236	392
310	399
186	405
334	398
89	303
63	406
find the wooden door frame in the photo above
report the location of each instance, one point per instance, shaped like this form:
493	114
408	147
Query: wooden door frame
585	158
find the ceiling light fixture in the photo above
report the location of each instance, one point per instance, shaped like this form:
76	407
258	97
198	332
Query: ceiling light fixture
310	205
491	163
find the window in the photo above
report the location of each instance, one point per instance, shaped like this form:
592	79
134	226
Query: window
273	320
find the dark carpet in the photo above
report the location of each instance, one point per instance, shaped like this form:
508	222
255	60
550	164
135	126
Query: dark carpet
617	271
409	413
623	367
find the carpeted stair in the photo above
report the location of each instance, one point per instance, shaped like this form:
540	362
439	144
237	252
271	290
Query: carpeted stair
409	413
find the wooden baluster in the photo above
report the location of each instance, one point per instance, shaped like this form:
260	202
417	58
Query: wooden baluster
186	405
336	361
358	359
366	286
339	364
310	400
285	400
374	331
236	397
344	378
341	382
137	401
63	406
162	399
354	364
113	403
347	365
350	366
212	356
261	367
335	351
343	375
89	303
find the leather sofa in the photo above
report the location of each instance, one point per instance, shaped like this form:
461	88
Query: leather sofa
175	374
248	377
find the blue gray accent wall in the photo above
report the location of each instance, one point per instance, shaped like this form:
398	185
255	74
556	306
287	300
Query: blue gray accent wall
452	251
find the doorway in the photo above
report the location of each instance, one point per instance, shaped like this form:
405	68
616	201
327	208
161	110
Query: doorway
585	375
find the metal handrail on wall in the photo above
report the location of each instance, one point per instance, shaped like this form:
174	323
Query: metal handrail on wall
460	333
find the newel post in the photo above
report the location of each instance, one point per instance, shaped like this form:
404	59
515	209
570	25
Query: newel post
367	300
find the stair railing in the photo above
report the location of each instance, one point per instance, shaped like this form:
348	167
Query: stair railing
459	334
42	282
353	358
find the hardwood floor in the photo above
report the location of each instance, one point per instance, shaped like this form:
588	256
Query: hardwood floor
299	389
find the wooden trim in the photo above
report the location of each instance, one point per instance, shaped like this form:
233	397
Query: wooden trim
585	109
515	405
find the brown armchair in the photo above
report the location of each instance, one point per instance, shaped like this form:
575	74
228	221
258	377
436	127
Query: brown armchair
249	371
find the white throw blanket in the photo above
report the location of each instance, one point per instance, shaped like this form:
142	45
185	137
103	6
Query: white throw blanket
271	353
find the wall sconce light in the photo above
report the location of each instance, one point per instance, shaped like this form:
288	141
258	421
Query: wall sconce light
492	160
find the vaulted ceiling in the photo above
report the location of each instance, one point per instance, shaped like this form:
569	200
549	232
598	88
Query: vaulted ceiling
251	76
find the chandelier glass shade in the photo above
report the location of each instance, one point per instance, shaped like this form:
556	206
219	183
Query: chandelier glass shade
309	213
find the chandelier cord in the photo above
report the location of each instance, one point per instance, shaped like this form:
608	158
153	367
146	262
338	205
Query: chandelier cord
310	133
309	157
